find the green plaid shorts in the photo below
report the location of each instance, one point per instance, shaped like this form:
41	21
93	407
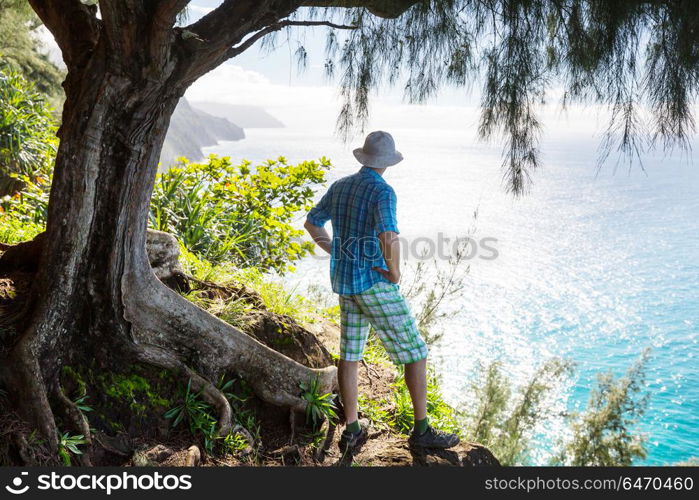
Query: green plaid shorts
385	308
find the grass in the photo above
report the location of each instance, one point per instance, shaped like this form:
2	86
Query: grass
319	407
201	422
441	415
68	446
275	297
376	410
374	352
396	413
13	230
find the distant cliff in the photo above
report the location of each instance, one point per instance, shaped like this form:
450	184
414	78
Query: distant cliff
192	129
245	116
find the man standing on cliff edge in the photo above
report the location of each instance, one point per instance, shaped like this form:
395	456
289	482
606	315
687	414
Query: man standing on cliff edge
365	271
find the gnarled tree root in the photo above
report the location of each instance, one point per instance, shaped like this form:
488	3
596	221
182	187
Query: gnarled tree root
159	357
73	419
29	392
166	330
163	319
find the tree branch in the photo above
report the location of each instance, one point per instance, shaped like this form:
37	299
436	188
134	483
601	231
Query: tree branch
234	51
169	10
208	40
381	8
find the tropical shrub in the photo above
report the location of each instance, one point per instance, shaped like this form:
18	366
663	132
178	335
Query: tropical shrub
21	48
504	421
603	434
238	213
27	133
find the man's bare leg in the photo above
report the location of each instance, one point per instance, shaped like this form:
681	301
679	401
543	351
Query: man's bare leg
416	380
347	380
423	435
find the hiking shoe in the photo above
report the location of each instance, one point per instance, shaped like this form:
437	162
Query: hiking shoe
433	438
351	441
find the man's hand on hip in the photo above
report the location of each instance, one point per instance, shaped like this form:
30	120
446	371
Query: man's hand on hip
392	277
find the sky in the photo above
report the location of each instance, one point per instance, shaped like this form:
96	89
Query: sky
307	99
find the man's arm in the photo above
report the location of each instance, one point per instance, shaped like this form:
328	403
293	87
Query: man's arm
319	235
390	247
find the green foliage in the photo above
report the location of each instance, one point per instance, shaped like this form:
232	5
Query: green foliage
235	443
27	136
204	270
503	421
374	351
191	410
441	415
602	435
200	419
21	49
27	150
237	213
275	296
318	406
68	445
513	440
376	410
196	414
235	311
81	404
434	283
132	388
493	396
14	230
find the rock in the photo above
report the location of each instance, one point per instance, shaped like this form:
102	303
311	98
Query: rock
163	254
159	453
242	431
193	456
289	455
477	454
111	450
465	455
191	130
120	443
242	115
24	256
394	451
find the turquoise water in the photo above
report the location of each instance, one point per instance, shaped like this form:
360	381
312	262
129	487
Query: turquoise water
593	267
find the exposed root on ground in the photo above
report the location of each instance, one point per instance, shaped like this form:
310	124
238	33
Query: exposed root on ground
164	319
72	418
370	373
158	357
29	393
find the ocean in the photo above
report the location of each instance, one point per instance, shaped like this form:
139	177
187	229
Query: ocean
593	266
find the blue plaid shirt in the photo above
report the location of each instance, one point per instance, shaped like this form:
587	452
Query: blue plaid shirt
359	206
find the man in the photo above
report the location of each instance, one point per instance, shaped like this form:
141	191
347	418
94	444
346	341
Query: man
365	270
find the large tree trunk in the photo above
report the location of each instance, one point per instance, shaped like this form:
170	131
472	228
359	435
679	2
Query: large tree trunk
95	297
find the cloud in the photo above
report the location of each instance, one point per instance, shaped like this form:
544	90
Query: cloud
317	107
295	105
